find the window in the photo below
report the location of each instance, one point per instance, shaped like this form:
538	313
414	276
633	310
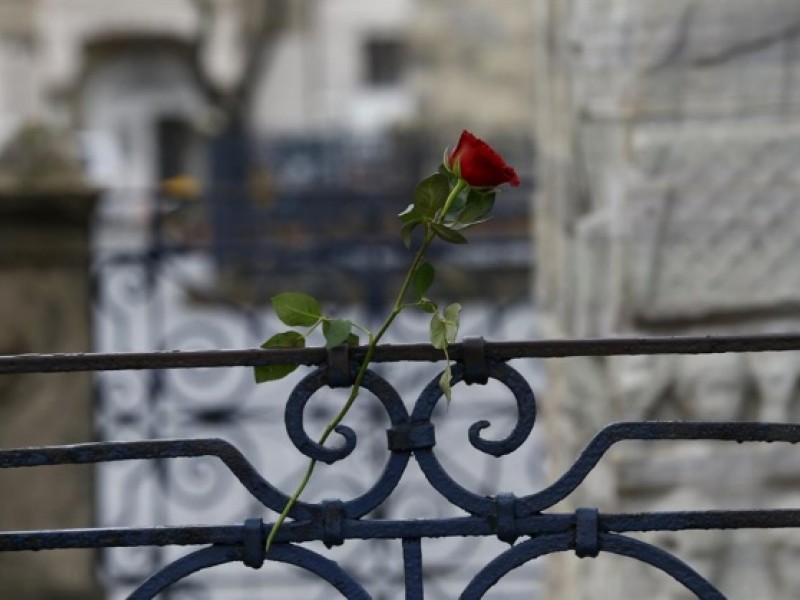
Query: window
173	136
385	58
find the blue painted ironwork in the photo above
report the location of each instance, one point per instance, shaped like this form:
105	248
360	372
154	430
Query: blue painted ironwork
527	523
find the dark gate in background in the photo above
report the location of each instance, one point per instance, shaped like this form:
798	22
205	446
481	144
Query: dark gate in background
310	215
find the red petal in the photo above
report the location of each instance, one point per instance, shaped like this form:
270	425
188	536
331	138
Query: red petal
481	165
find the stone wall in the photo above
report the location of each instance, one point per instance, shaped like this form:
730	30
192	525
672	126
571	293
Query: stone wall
479	75
44	307
470	68
669	204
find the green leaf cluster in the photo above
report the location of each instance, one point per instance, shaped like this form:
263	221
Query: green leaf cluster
476	208
444	330
295	309
287	339
338	331
429	198
444	327
444	219
301	310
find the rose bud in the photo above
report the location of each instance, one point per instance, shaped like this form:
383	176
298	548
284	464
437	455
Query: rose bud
478	164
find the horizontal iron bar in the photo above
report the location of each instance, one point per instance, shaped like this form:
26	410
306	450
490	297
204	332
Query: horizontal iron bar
51	363
304	531
119	537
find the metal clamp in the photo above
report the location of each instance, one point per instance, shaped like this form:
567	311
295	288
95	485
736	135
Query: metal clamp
332	514
587	532
476	368
507	529
339	373
253	542
411	436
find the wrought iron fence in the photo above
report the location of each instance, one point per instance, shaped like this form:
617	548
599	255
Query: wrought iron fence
528	523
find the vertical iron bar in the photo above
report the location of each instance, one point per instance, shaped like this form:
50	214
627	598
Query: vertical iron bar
412	566
155	264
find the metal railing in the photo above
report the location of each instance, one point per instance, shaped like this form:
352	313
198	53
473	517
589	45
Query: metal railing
586	531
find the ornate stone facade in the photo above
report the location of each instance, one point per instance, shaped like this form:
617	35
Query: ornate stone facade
670	204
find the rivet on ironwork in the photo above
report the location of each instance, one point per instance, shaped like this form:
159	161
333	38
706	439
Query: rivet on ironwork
476	369
411	436
507	530
339	374
253	541
332	513
587	532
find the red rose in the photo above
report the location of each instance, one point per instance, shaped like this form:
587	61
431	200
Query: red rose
478	164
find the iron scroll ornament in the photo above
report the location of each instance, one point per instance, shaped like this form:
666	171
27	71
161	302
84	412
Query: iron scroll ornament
391	402
585	532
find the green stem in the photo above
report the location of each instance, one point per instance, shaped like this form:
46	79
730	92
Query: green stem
362	329
359	379
460	185
397	308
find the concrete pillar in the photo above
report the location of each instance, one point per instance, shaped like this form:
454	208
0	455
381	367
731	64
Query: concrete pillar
45	307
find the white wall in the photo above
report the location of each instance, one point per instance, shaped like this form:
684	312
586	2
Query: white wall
65	25
315	82
20	100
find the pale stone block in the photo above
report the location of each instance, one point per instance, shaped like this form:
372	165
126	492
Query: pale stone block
670	204
718	227
685	57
